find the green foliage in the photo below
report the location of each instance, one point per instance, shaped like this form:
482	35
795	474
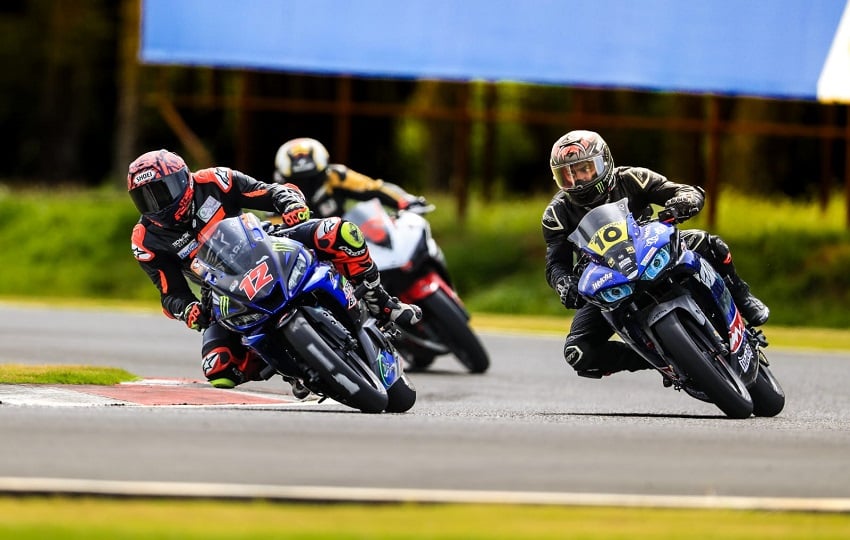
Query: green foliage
793	254
76	244
71	244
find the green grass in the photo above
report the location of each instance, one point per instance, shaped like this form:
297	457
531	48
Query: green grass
794	255
62	374
30	518
76	245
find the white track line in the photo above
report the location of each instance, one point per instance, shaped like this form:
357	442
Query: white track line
63	486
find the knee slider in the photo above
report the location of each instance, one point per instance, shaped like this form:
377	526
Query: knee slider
575	357
216	362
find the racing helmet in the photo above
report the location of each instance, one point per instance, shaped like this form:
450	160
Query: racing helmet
582	167
161	187
300	160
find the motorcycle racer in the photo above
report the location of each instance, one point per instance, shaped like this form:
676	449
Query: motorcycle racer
583	168
176	204
304	162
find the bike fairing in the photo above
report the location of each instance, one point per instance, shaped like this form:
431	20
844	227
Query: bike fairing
256	276
403	242
240	256
624	255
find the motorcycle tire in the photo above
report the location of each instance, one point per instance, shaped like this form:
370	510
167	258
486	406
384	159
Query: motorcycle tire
680	339
345	379
420	362
768	396
450	324
401	395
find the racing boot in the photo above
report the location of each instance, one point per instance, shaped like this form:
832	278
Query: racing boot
752	309
224	369
388	308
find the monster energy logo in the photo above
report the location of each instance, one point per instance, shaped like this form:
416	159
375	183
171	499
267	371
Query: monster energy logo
224	305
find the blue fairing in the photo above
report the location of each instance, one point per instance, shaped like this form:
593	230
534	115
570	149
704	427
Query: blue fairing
646	242
597	277
654	234
256	276
322	279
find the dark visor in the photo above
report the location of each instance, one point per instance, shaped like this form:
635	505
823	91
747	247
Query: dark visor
158	194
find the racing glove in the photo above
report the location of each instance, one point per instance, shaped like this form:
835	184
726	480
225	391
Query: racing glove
686	206
292	205
195	317
567	287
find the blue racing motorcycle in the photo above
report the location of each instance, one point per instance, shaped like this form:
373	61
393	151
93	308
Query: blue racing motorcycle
672	307
300	316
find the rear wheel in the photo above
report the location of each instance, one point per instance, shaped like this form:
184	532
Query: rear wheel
768	396
710	374
450	324
420	361
345	378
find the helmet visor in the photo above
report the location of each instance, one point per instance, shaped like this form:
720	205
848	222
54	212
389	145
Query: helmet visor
579	173
161	193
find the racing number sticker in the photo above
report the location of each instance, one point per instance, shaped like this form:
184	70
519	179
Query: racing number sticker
256	279
607	237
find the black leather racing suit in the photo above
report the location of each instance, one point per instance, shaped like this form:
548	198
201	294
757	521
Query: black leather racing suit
587	348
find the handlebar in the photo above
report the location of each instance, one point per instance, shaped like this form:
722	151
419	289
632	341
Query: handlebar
665	215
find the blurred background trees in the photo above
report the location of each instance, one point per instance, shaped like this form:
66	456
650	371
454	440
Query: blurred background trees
77	107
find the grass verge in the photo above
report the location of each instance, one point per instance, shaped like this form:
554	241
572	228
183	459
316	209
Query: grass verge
30	518
785	337
63	374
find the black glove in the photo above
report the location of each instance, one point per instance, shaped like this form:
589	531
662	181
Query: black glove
567	287
686	206
195	317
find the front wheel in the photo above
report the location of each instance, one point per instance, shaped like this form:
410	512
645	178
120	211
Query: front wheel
448	321
401	395
709	373
768	396
345	378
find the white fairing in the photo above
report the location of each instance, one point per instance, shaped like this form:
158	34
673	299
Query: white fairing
404	232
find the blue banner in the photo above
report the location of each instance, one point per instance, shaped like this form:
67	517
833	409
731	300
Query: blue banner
773	48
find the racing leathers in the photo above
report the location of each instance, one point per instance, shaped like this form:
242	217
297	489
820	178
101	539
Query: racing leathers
165	254
328	192
588	348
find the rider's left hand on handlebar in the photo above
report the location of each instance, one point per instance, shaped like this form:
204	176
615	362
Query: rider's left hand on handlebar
686	206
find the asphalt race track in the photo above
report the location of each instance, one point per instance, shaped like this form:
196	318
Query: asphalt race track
527	426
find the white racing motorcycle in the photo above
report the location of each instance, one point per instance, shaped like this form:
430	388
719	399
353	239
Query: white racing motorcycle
413	268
